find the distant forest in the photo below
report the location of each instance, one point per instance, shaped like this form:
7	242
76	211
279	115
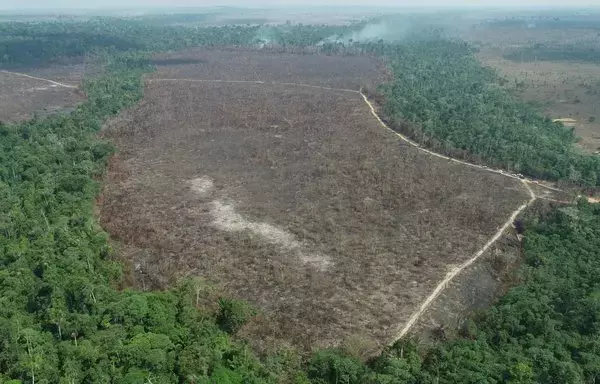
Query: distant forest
460	108
63	320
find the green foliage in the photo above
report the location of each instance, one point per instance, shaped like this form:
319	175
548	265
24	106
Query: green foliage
26	44
40	43
460	110
233	314
331	366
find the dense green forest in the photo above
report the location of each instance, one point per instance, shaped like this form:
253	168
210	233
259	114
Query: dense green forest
460	108
63	318
25	44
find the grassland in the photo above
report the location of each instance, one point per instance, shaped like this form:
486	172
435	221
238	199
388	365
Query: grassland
292	198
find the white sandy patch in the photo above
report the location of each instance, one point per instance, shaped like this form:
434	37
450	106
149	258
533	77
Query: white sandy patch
226	219
202	185
39	89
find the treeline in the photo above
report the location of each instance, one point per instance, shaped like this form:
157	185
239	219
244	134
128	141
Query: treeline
63	319
442	97
27	44
303	35
564	52
23	44
553	22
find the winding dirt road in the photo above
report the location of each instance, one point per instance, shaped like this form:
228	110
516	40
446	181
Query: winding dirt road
451	274
457	270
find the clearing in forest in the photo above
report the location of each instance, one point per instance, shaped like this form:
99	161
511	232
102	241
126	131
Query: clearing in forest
43	93
293	198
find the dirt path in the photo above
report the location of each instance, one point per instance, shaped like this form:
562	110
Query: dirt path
483	167
374	112
257	82
56	83
457	270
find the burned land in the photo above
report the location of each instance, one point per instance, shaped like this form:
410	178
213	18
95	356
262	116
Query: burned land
250	65
292	198
22	98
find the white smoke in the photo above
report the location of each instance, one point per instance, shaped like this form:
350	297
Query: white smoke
383	30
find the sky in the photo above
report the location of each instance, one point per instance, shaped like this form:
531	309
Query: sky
98	4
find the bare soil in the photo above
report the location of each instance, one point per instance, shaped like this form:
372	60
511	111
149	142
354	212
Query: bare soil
477	287
22	98
292	198
237	64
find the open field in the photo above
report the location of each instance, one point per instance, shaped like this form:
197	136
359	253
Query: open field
21	97
330	71
70	73
295	199
477	288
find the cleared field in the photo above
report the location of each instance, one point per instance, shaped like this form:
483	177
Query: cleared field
236	64
22	97
68	73
295	199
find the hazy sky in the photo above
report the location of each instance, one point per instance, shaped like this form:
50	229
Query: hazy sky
79	4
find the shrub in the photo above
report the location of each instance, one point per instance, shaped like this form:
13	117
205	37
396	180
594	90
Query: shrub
233	314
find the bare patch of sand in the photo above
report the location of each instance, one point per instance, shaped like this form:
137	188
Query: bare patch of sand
202	185
227	219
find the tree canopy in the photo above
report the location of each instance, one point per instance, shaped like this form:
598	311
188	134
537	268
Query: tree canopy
63	319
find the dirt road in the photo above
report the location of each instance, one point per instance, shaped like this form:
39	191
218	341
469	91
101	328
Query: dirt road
56	83
457	270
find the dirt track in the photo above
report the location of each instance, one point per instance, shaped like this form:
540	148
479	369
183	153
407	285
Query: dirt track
455	271
40	78
365	220
23	96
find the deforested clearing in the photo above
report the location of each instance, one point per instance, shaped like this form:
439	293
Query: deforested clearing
295	199
22	97
250	65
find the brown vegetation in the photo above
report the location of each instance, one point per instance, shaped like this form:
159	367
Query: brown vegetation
296	200
21	98
237	64
474	290
69	72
